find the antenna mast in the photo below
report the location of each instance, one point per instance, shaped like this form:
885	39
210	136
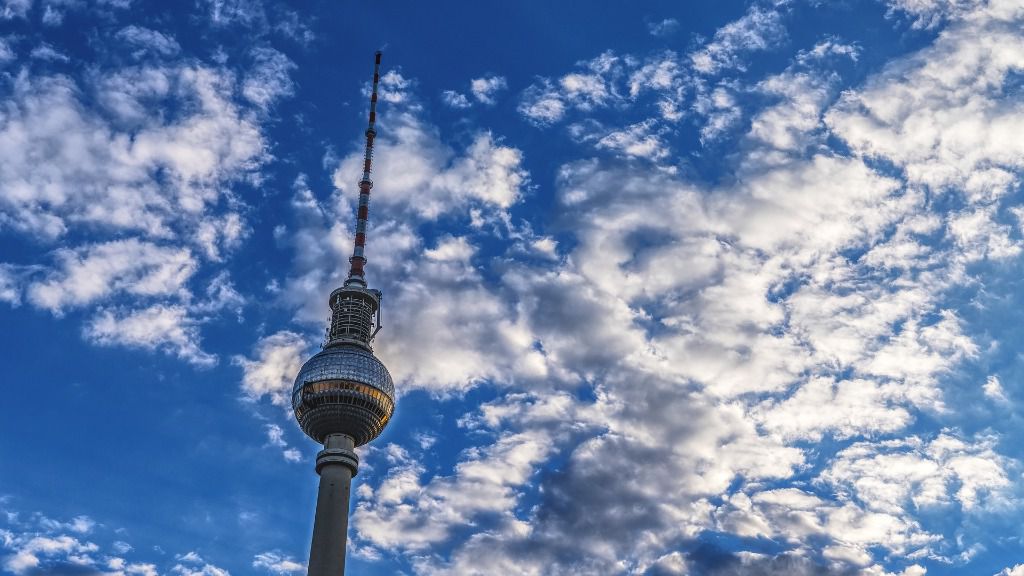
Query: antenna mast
358	259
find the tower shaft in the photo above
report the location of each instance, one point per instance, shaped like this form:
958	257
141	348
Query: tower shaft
337	464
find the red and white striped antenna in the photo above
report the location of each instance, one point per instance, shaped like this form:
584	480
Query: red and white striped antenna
358	259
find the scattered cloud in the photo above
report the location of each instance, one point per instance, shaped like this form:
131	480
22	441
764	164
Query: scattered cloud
146	41
277	563
928	14
268	78
455	100
486	88
664	28
91	273
6	52
157	327
758	30
48	53
15	9
278	358
41	545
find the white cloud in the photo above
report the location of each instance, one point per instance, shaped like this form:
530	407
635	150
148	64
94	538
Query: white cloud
121	547
542	104
595	85
394	88
158	327
141	569
897	476
95	272
204	570
931	13
428	178
796	515
15	9
246	13
31	552
719	329
190	557
829	47
484	482
664	28
277	563
272	372
48	53
145	40
759	29
10	285
6	52
99	176
275	435
451	249
721	110
940	115
268	79
455	99
640	140
159	185
994	390
484	89
847	408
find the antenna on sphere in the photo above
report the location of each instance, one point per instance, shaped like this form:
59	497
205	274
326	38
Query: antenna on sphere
343	396
358	259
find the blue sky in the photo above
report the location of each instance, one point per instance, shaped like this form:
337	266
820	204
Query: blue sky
705	288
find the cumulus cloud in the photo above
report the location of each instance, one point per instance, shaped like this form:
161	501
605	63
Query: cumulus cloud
759	29
33	552
931	13
940	116
91	273
42	545
157	183
192	564
455	99
272	372
395	515
268	78
47	53
429	178
158	327
484	89
813	304
721	110
637	141
594	85
151	192
10	285
277	563
147	41
770	340
6	52
15	9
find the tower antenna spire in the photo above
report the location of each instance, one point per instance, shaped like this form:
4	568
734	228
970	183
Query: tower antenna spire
358	259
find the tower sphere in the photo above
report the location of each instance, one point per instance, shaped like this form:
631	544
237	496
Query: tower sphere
343	390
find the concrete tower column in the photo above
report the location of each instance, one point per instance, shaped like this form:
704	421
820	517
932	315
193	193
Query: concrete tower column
337	463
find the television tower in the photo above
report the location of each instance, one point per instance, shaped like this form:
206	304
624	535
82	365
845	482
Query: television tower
344	396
